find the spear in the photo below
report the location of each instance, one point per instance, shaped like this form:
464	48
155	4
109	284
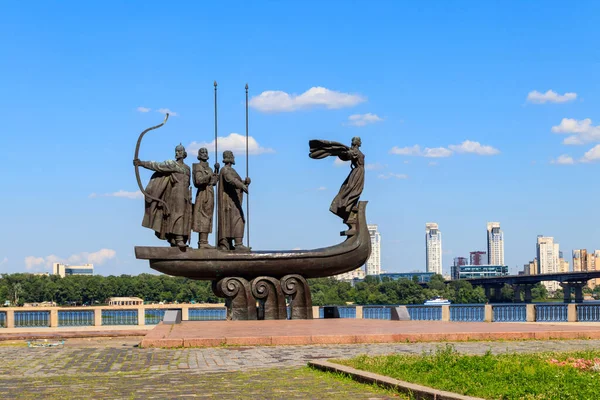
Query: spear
247	156
216	160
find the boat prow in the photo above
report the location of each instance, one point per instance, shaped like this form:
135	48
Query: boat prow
214	264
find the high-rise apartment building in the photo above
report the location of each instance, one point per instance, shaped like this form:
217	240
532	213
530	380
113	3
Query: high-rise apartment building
433	248
580	260
587	261
477	258
495	244
373	265
531	268
548	259
563	265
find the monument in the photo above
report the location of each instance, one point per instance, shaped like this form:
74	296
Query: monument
254	284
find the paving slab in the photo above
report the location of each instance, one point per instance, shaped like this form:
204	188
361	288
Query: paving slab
351	331
116	368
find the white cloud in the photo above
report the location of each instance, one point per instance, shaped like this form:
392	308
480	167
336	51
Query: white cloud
166	110
234	142
582	131
373	167
432	163
392	175
143	109
100	257
127	195
363	119
121	193
31	262
439	152
340	163
97	258
406	151
321	188
563	160
550	97
473	147
279	101
591	155
415	150
4	261
436	152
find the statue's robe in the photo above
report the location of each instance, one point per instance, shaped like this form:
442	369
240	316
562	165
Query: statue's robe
204	180
351	189
230	196
170	183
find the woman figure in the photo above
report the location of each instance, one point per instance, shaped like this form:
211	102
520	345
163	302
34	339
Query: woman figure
343	205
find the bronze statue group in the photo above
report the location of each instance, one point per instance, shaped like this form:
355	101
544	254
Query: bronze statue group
169	209
170	212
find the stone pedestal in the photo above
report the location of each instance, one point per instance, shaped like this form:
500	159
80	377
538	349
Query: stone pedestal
530	313
446	313
10	318
141	311
97	317
488	313
572	313
54	318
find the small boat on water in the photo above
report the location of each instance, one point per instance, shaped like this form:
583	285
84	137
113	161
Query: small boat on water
437	301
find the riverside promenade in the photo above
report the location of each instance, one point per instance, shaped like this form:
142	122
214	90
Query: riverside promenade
116	368
245	359
315	331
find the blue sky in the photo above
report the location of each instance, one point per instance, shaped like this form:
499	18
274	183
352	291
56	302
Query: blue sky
466	82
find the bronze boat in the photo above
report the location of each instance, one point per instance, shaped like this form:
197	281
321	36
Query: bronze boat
209	264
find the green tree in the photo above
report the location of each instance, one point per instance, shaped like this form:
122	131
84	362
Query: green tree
437	282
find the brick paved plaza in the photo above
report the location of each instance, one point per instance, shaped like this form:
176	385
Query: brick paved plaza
118	369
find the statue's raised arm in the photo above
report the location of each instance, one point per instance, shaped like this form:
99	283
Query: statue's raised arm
344	204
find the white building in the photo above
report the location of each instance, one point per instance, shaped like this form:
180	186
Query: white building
495	244
548	255
433	248
358	273
373	265
65	269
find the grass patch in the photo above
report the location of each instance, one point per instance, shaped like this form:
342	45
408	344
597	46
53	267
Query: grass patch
504	376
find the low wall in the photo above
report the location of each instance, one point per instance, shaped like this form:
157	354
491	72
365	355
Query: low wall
94	316
43	317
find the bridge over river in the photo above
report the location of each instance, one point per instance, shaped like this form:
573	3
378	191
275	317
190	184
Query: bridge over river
569	281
